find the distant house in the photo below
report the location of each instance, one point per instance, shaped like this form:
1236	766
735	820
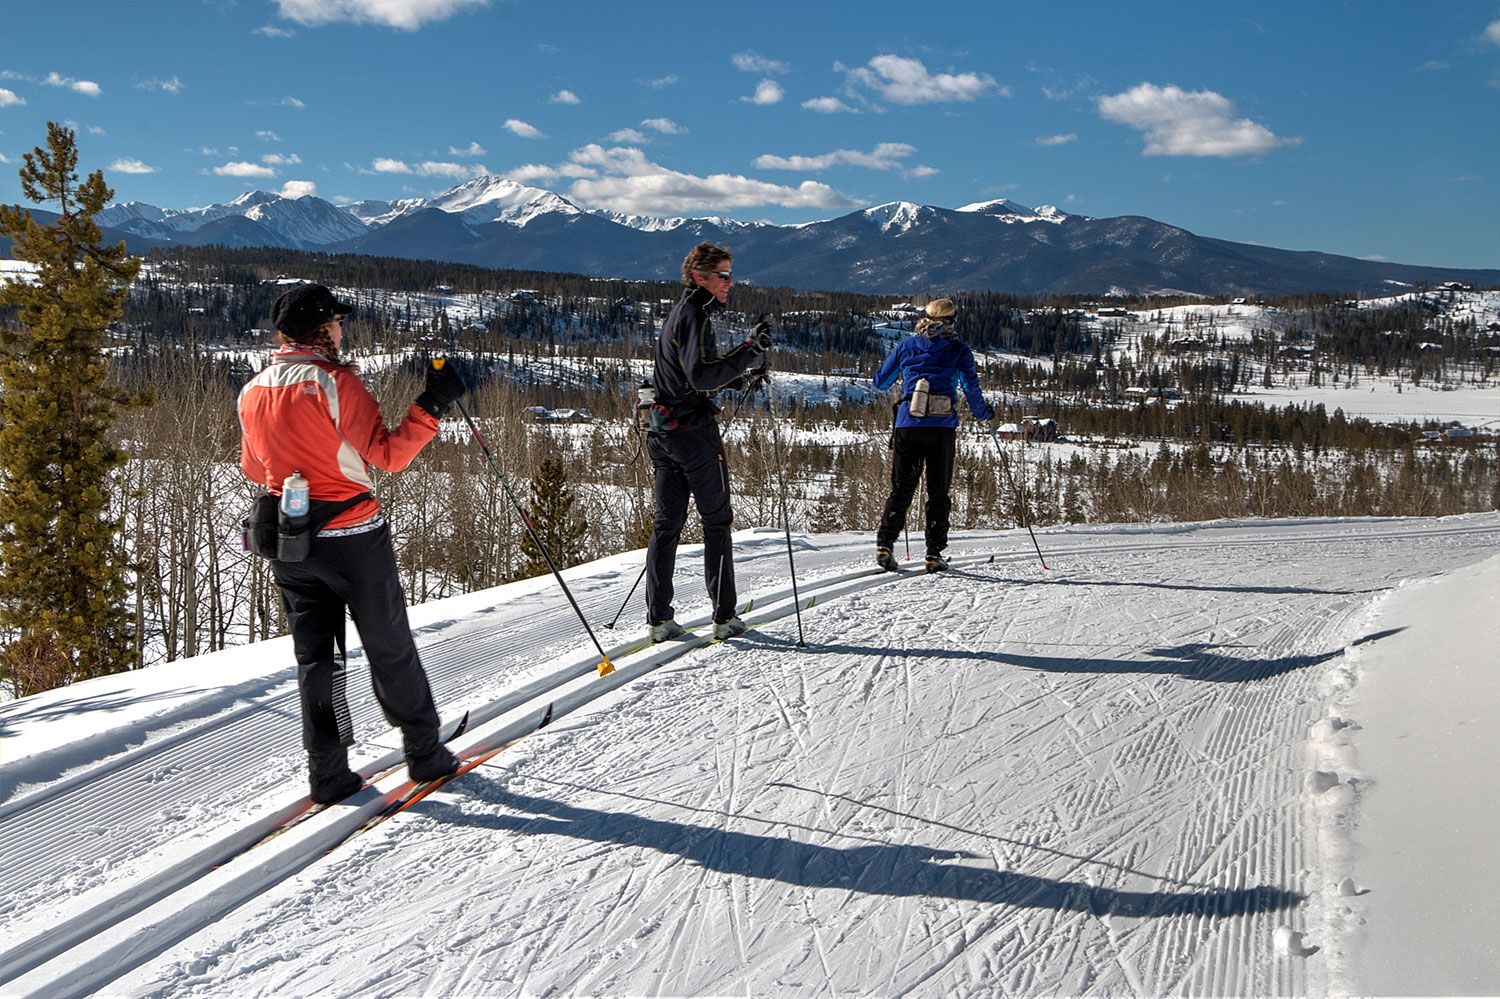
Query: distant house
1031	428
1040	429
1453	432
541	414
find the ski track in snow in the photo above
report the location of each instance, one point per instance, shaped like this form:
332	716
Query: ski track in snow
993	782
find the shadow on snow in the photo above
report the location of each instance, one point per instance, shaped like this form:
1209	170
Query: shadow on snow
886	869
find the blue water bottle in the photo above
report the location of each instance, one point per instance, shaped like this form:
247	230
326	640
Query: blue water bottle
294	540
294	498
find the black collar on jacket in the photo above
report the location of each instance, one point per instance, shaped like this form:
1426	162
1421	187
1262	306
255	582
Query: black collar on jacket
702	298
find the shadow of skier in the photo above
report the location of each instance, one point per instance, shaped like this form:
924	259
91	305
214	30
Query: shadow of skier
886	869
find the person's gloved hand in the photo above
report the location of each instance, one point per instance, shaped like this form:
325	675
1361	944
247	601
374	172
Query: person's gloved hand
444	385
758	379
760	336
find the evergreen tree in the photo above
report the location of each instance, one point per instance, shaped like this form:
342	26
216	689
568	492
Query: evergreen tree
552	516
64	584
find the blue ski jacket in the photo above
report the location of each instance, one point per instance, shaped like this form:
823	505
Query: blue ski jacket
934	353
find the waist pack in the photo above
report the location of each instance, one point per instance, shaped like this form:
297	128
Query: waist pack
937	405
657	417
271	534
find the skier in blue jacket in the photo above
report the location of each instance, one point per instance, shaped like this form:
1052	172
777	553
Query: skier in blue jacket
926	433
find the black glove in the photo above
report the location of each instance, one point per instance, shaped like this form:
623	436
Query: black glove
760	336
444	385
759	376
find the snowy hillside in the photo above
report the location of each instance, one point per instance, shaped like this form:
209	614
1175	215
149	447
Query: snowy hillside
1173	762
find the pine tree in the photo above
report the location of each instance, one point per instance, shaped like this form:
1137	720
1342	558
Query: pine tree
552	516
64	585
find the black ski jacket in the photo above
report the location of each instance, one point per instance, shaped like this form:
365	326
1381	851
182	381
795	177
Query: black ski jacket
688	367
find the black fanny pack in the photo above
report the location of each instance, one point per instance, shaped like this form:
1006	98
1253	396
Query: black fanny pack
271	534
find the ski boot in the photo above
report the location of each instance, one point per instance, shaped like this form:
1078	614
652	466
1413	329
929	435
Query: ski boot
665	630
728	629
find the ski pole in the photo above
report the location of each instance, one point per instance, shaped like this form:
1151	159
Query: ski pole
1020	496
786	518
626	601
605	666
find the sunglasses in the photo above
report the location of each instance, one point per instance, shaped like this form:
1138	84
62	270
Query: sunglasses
725	275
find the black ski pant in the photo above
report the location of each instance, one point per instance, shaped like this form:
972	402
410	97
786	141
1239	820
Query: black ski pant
359	572
913	449
689	461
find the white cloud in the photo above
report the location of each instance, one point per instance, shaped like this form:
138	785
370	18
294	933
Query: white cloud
533	172
752	63
130	165
633	185
295	189
907	81
661	83
629	136
563	97
768	91
1492	32
277	159
267	136
172	86
242	169
428	168
1056	140
921	172
408	15
9	97
886	156
1179	123
826	105
522	129
664	125
475	149
432	168
86	87
272	31
292	102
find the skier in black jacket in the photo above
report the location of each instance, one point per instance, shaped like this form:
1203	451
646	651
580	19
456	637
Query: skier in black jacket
687	453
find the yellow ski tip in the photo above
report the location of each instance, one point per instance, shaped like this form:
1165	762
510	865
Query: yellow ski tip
606	668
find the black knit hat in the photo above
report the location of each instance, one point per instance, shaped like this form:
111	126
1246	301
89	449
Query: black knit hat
305	308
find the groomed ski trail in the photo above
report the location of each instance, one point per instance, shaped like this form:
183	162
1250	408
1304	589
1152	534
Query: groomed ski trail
1086	781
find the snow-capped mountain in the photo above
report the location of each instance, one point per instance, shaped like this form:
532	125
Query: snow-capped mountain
901	247
496	199
299	223
1011	211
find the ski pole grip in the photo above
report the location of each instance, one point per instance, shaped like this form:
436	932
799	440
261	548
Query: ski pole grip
437	363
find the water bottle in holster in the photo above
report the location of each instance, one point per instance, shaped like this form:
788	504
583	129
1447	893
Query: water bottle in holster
658	417
918	404
293	527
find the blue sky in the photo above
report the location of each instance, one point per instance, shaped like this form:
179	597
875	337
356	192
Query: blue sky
1370	129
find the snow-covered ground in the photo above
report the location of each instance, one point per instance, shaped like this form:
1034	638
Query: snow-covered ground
1248	758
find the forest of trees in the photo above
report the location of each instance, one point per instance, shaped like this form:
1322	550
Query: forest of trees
195	318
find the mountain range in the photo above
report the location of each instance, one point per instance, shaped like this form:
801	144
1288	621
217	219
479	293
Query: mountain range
895	248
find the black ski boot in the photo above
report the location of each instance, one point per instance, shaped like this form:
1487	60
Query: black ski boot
330	787
886	560
936	563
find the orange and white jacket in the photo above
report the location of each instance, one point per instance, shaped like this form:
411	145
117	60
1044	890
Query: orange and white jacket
306	413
